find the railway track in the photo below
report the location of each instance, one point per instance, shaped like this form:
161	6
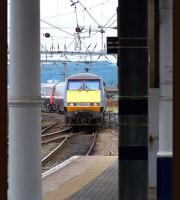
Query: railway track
54	136
80	143
53	127
48	127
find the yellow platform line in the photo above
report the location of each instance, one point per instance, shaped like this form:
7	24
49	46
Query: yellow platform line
72	186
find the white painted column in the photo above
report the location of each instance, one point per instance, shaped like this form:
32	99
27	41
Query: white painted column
24	101
165	104
164	160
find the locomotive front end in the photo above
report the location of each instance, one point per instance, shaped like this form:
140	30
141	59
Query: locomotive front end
84	101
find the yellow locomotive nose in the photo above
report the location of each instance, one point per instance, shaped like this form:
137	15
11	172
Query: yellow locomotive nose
83	96
83	100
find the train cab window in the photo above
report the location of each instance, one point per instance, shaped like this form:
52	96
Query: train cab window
75	85
91	85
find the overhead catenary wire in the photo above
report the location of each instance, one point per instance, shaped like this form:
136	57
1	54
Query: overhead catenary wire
88	13
56	27
69	13
110	20
70	44
111	24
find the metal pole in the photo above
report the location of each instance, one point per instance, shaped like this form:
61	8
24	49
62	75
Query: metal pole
102	39
133	99
3	101
165	155
24	101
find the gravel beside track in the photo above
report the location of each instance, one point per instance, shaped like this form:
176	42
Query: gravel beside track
49	118
47	148
106	142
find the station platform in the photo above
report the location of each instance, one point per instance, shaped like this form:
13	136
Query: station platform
82	178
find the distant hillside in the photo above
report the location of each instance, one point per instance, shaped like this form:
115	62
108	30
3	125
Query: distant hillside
55	71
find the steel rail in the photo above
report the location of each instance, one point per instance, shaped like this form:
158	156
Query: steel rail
92	145
49	137
52	153
68	136
48	127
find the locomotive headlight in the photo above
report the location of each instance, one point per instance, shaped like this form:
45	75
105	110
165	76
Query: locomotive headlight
71	104
94	104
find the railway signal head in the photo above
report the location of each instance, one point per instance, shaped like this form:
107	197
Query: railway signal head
47	35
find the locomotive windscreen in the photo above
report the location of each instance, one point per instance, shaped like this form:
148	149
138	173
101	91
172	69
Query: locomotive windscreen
75	85
83	85
91	85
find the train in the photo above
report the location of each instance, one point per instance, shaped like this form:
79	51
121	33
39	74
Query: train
84	100
52	95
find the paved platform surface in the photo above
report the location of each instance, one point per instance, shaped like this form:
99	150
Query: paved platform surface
104	187
85	178
76	176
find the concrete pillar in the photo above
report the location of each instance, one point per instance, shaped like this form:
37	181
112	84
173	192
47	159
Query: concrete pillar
24	101
164	160
133	99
